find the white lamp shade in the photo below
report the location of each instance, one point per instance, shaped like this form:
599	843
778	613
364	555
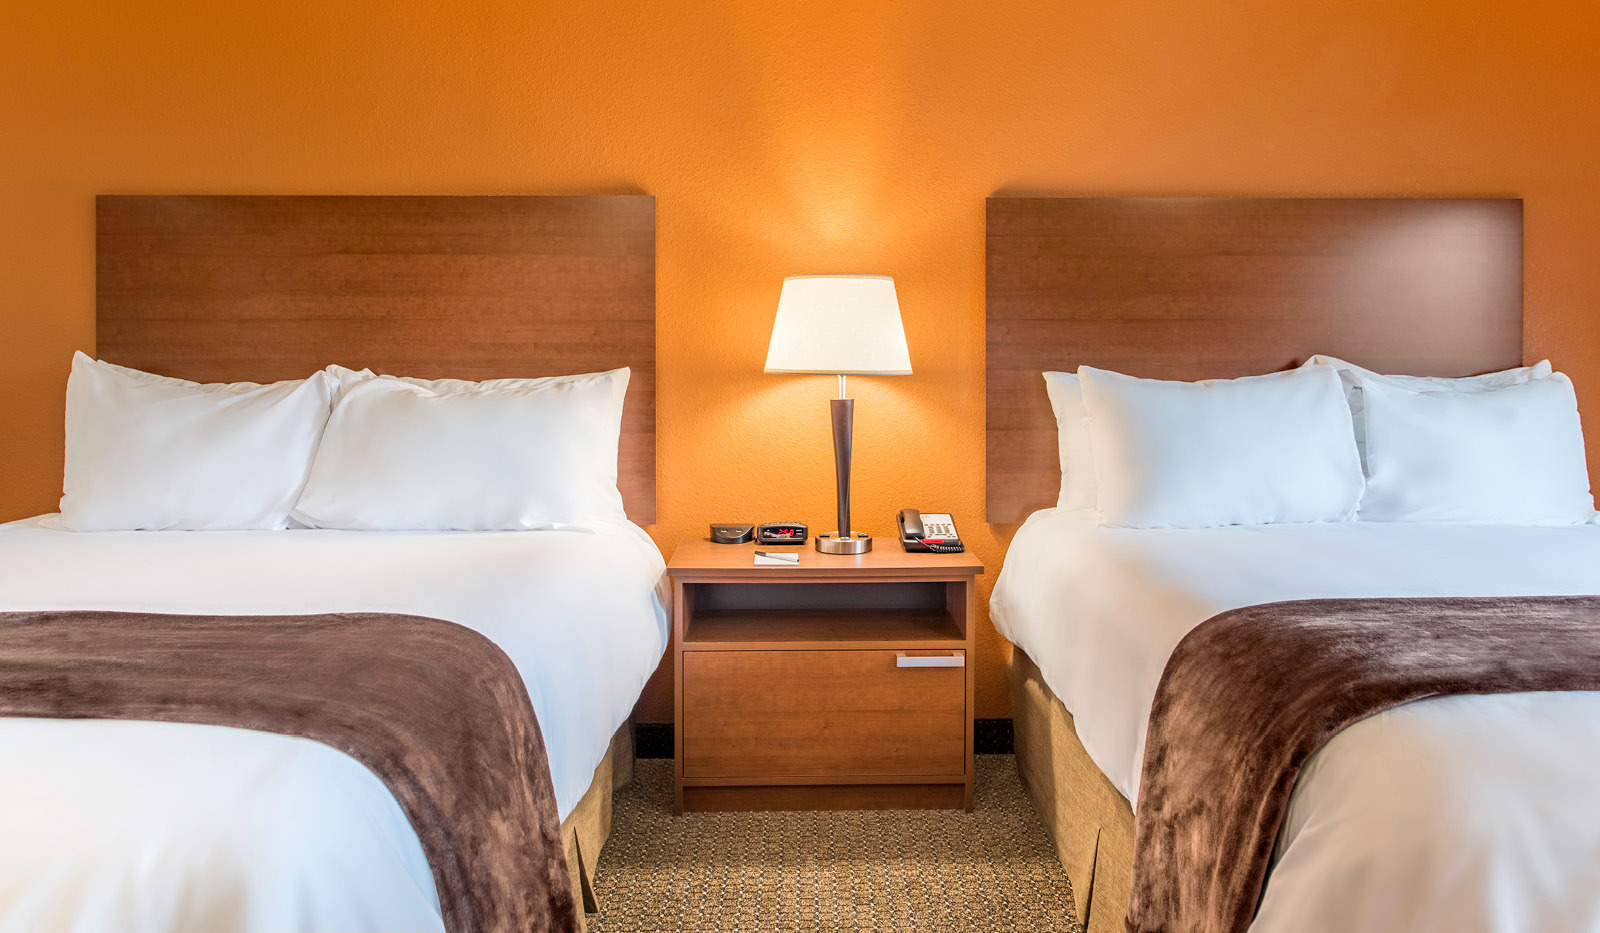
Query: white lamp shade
847	325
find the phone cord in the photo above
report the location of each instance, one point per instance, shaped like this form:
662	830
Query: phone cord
944	548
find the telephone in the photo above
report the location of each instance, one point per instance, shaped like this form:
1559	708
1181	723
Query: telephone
935	531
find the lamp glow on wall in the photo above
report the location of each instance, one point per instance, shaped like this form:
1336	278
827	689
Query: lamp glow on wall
842	325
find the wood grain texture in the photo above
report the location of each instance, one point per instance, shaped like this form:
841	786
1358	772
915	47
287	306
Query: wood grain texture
1194	288
825	797
824	629
262	288
787	691
702	559
763	714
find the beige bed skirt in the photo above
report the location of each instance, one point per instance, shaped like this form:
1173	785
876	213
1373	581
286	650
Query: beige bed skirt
587	827
1089	820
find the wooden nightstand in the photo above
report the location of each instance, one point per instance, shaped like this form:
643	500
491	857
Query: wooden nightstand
842	683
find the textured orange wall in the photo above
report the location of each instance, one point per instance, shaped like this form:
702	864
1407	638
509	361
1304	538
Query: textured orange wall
779	139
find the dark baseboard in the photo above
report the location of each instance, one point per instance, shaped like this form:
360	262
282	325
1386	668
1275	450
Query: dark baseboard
652	740
989	737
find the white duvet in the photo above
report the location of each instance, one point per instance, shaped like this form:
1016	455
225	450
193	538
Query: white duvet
110	826
1450	814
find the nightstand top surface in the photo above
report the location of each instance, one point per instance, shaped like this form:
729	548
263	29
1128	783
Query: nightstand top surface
701	557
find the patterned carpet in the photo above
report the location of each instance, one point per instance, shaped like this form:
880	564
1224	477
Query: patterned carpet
928	871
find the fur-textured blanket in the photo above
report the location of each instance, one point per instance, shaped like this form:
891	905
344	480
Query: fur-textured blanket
1250	695
435	710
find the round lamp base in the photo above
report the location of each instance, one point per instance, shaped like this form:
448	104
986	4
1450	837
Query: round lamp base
831	543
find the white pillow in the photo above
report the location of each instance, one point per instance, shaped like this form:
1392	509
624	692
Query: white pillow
469	456
1072	441
1354	377
1512	455
148	452
1256	450
344	378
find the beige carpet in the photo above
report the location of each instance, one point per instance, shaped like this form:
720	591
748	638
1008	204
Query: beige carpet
928	871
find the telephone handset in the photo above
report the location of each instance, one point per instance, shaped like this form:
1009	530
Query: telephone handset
935	531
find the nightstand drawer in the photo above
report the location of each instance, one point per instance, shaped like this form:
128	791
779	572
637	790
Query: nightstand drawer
861	713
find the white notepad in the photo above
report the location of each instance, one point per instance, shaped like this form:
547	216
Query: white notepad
777	559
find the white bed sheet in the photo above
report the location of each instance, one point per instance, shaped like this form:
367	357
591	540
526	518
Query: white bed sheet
143	826
1451	814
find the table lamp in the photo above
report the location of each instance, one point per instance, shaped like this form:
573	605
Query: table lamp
841	325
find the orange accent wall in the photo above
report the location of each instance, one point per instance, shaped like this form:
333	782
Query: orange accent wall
785	138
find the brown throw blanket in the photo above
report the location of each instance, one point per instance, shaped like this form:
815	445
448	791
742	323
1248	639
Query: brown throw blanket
435	710
1250	695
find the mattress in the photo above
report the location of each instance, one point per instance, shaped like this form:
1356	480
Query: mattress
1454	813
175	827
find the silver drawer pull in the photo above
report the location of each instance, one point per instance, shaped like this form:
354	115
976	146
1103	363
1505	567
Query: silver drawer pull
930	660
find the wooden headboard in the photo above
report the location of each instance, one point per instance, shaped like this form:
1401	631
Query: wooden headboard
267	288
1194	288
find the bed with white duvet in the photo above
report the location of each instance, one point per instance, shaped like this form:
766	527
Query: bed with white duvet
1457	813
1448	814
145	826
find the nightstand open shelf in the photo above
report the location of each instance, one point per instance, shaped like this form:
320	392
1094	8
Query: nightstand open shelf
839	683
736	629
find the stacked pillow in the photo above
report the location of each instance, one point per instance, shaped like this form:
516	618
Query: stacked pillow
350	449
341	449
1505	447
1078	484
1262	449
445	454
1327	442
1356	378
149	452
